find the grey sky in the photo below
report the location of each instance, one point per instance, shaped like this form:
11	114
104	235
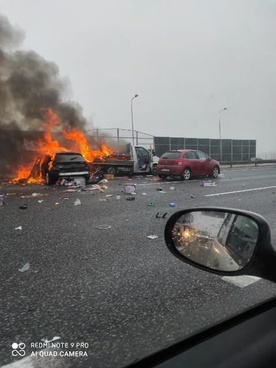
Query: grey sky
186	60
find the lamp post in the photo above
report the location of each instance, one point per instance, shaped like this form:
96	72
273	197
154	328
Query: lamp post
220	141
132	128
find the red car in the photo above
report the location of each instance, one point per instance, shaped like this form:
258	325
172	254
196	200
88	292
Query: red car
187	163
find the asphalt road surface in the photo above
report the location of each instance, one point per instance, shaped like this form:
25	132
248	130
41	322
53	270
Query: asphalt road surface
111	294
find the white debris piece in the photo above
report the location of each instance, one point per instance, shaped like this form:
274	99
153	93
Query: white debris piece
77	202
208	183
24	268
18	228
152	236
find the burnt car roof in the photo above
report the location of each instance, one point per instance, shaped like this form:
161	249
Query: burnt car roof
68	153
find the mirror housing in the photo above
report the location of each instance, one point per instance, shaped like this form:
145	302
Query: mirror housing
261	261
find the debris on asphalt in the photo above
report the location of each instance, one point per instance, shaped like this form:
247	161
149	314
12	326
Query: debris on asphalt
103	181
130	198
208	183
109	195
103	187
80	182
103	200
46	341
152	236
24	268
18	228
70	190
103	227
2	200
151	205
172	204
34	195
40	201
192	196
172	188
23	207
159	189
129	188
118	196
161	216
144	194
77	202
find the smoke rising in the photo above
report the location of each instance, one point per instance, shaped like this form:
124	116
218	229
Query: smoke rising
29	84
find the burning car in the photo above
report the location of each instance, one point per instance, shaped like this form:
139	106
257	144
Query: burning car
63	165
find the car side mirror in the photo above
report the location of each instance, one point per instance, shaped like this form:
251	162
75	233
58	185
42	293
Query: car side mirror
222	241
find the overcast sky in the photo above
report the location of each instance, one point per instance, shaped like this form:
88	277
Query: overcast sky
185	59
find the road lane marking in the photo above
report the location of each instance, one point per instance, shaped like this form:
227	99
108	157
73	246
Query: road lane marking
239	191
241	281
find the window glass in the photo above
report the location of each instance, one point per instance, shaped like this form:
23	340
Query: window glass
202	156
171	155
190	155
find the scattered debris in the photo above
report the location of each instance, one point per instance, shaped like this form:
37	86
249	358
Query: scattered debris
103	187
172	188
151	205
24	268
103	200
221	176
2	200
208	183
172	204
109	195
57	203
103	227
192	196
118	196
159	189
103	181
34	195
80	182
152	236
129	188
109	176
130	198
46	341
144	194
23	207
40	201
18	228
95	187
77	202
163	216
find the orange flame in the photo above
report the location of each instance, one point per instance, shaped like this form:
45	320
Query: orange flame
75	141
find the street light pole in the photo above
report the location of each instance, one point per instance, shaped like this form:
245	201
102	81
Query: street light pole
220	140
132	127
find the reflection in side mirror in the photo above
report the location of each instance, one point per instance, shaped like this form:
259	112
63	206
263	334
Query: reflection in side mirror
222	241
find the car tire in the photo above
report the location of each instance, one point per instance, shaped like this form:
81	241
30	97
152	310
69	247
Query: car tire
50	179
215	172
186	175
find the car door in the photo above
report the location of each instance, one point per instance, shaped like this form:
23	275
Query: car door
192	161
204	163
